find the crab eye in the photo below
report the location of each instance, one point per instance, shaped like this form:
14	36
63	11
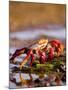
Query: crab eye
34	51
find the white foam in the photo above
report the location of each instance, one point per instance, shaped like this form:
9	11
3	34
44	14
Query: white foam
31	34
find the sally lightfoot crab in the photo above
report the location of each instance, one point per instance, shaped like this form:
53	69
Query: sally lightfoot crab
44	50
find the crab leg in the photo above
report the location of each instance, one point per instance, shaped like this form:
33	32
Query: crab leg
51	54
43	57
58	46
60	49
27	58
32	59
18	52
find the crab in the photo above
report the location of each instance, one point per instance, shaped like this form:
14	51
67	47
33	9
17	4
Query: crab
45	50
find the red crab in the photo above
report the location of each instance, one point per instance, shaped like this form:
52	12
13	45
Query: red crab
43	49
